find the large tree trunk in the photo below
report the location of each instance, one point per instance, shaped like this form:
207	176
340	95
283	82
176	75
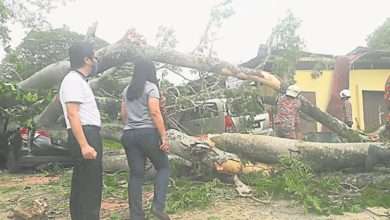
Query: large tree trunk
331	122
47	77
225	152
321	156
202	154
231	149
116	161
128	49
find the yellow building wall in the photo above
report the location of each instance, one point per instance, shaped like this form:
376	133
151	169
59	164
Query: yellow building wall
360	80
320	85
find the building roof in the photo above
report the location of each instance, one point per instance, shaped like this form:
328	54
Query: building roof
370	58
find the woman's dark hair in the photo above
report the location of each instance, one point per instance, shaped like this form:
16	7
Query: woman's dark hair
78	51
144	70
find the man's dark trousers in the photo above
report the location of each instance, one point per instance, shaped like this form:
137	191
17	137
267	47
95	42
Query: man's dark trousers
87	179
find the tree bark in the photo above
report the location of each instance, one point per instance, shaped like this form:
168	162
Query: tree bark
116	161
47	77
320	156
331	122
128	49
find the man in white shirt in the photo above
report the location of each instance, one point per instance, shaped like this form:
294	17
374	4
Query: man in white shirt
83	123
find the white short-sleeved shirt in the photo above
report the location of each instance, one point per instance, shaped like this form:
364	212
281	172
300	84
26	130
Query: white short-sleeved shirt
74	88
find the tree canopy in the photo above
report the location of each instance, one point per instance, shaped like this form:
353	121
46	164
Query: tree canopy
39	49
380	38
30	14
286	40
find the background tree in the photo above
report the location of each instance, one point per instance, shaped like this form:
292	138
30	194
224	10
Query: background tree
39	49
380	38
30	14
286	47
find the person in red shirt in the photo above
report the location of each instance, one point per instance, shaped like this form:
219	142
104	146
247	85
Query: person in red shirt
287	121
229	123
385	133
387	106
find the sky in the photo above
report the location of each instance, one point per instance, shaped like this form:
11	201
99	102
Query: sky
330	27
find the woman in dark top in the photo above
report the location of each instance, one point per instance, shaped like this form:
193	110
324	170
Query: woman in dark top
144	136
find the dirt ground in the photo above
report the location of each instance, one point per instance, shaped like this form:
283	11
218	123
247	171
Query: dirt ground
14	188
246	209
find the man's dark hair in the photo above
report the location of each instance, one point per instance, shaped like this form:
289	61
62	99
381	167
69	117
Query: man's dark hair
78	51
144	70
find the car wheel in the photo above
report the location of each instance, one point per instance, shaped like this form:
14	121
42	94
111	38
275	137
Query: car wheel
12	163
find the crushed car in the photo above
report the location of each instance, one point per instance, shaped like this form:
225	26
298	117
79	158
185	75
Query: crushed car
22	147
215	116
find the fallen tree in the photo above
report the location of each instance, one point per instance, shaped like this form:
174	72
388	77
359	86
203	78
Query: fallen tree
225	153
320	156
132	46
202	154
184	149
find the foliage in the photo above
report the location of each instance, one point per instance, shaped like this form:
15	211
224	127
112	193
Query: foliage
115	185
166	40
30	14
242	103
377	195
39	49
20	106
218	14
323	195
208	82
244	100
380	38
191	195
115	216
296	181
287	45
112	144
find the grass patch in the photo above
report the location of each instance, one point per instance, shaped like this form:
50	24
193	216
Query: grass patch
112	144
187	195
115	185
377	195
321	195
9	189
115	216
